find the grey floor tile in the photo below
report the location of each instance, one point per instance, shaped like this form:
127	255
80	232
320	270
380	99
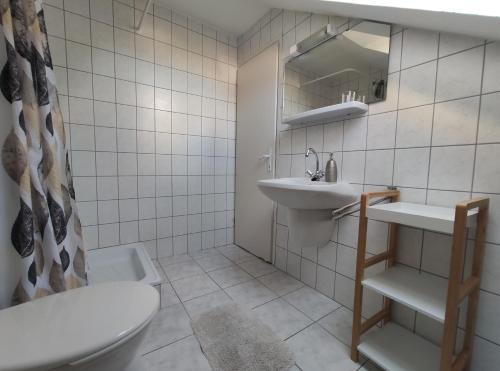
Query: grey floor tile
257	267
315	349
197	306
235	253
182	270
170	324
194	286
184	355
250	294
212	262
168	295
311	303
282	318
280	282
368	366
204	252
339	324
230	276
174	259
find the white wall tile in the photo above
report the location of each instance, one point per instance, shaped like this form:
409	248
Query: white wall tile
82	137
124	42
77	28
353	165
57	50
451	168
487	172
83	163
145	72
53	17
379	165
105	139
102	36
79	56
417	85
126	140
487	320
107	187
381	131
455	122
489	119
395	52
492	68
106	163
125	115
414	127
80	84
103	62
419	46
109	235
127	186
102	10
411	167
81	111
104	88
459	75
452	43
108	211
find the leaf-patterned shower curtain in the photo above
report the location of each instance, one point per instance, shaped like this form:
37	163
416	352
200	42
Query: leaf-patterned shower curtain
46	234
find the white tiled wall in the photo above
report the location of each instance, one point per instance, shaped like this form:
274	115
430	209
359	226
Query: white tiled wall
436	137
151	122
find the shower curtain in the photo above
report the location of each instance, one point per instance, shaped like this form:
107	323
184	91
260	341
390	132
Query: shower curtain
46	230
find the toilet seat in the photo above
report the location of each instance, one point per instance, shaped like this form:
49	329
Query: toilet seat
73	325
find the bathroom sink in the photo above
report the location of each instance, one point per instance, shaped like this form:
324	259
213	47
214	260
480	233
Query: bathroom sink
303	193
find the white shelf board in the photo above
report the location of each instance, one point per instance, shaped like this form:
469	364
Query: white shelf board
422	292
395	348
328	112
434	218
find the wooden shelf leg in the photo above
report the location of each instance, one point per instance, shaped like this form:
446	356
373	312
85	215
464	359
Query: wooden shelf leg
454	285
477	263
358	289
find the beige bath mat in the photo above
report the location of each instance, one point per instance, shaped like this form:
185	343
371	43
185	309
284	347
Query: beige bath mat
233	339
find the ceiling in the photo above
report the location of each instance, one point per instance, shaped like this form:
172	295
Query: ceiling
232	16
448	15
237	16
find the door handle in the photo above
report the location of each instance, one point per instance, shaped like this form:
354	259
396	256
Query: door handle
268	157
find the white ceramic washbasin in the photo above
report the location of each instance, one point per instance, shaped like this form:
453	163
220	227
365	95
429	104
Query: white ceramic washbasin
302	193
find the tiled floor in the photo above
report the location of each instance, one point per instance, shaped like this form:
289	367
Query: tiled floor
316	328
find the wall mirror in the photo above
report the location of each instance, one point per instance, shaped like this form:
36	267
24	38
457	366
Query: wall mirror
328	65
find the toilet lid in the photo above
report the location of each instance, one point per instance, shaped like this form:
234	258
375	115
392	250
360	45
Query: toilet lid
62	328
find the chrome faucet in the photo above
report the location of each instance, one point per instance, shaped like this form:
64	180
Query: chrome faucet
318	174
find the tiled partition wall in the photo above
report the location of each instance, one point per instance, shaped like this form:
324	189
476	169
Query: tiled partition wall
436	137
151	122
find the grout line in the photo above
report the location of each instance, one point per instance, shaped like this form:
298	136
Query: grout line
166	345
478	120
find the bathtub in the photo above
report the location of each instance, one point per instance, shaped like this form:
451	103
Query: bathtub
121	263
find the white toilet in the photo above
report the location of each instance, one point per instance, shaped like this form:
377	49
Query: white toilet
98	328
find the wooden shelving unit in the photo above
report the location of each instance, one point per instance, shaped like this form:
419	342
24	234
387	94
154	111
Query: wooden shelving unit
393	347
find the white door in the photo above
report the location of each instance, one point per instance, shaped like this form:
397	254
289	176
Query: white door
255	138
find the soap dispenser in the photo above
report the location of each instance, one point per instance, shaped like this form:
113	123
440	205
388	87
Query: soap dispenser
331	170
